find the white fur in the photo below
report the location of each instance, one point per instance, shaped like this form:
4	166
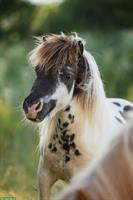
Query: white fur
62	96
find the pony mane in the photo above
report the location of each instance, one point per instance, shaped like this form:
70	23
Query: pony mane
93	96
55	51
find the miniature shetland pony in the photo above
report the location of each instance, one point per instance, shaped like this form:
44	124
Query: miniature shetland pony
68	99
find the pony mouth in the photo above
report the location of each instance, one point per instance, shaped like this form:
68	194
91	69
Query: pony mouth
45	112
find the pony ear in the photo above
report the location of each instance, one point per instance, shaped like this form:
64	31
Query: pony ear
44	38
81	47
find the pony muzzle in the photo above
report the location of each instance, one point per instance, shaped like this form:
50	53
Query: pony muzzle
39	110
31	111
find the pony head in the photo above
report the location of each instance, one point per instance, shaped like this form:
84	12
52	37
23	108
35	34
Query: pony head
62	72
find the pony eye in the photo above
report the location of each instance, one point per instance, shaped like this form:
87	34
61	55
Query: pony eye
67	76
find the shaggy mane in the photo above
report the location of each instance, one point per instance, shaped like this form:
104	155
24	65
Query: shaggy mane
55	51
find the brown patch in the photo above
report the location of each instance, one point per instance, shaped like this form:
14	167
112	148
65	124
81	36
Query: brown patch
55	51
82	194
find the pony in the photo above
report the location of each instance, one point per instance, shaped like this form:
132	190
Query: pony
111	177
76	119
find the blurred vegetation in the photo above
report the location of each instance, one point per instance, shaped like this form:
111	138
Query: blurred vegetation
107	27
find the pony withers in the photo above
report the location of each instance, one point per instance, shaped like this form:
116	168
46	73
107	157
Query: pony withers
76	120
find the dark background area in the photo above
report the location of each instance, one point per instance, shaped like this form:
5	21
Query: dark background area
107	27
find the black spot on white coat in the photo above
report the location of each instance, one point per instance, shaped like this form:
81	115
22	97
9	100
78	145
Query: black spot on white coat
71	118
68	108
50	146
64	132
54	149
72	137
77	153
59	121
67	158
119	120
66	146
65	124
60	142
128	108
117	104
64	138
73	145
121	113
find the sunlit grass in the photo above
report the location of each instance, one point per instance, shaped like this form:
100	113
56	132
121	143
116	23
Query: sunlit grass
19	195
31	194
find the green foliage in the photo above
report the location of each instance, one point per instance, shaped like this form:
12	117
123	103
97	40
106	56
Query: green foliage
102	14
24	19
15	18
113	52
16	137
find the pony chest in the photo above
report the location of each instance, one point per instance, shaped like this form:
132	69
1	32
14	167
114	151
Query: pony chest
62	147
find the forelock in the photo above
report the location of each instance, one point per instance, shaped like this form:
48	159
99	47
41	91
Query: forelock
55	51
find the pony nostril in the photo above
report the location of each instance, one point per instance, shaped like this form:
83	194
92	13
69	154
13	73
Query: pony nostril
31	110
39	106
34	109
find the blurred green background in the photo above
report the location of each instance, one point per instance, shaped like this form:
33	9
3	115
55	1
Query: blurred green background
107	27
